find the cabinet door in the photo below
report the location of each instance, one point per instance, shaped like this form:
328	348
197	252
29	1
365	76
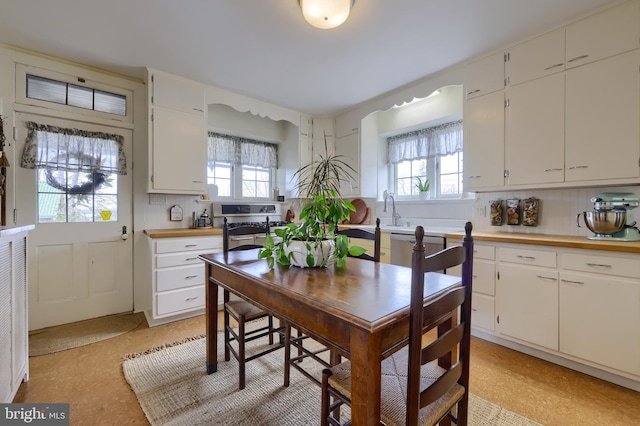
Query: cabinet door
484	277
482	311
527	304
610	32
177	94
535	58
348	123
602	130
6	342
348	147
485	75
322	127
535	131
600	320
178	153
484	142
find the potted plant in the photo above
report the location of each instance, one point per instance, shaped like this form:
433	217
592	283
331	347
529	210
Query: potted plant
313	242
423	187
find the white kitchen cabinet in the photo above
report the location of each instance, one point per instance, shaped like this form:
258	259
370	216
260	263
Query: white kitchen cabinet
535	58
484	142
602	127
600	309
527	296
604	34
534	131
347	123
349	148
322	127
485	75
177	135
14	335
178	277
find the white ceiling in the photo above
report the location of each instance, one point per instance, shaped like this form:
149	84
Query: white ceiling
265	49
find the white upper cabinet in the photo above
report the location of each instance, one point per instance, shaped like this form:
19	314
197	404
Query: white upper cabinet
484	142
349	147
177	135
348	123
610	32
485	75
535	131
177	94
602	127
322	127
535	58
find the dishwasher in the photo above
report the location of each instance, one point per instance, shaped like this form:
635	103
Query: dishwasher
402	247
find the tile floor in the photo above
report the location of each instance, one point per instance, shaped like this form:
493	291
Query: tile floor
90	379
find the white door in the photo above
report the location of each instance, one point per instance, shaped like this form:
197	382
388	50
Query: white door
77	269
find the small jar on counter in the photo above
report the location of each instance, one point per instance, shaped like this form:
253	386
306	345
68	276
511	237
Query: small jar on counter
530	211
513	212
497	211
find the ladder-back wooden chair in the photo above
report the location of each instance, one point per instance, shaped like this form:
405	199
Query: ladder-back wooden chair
417	390
243	312
297	342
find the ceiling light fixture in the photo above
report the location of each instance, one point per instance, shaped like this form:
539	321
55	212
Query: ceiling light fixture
326	14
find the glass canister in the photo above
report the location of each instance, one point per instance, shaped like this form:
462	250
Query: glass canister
513	212
531	207
497	211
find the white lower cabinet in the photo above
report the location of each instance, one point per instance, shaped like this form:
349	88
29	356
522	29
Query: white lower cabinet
178	277
600	310
527	304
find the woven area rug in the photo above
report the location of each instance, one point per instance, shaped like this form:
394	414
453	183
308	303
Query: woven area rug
81	333
173	388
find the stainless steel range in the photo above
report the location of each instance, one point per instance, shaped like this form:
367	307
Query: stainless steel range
247	214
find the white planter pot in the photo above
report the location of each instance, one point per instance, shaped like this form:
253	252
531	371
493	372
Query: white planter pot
424	195
322	253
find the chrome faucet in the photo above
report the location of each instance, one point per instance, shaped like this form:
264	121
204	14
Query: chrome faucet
394	215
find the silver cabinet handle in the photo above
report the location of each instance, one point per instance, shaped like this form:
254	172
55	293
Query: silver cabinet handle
196	181
542	277
577	58
198	109
526	257
553	66
599	265
189	259
190	277
473	91
577	167
552	170
189	299
191	245
474	177
572	282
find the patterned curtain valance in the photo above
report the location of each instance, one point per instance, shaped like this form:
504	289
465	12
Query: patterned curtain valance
73	150
237	150
438	141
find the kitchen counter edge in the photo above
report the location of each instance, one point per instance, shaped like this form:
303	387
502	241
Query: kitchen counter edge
5	231
551	240
182	232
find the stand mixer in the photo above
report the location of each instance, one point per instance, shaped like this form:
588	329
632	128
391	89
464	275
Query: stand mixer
618	201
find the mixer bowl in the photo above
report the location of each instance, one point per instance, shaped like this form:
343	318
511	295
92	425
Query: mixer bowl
605	222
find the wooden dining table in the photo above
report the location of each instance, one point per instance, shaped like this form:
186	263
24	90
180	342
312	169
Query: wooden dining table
360	310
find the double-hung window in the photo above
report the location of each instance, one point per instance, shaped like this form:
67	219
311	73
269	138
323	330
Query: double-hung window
433	155
241	167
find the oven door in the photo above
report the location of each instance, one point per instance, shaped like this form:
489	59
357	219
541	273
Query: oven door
402	247
240	240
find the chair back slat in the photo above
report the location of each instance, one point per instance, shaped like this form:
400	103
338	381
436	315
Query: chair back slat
366	235
451	344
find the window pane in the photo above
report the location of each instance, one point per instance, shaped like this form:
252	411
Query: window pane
262	189
404	169
449	164
248	173
52	208
106	208
110	102
224	187
248	189
80	208
449	184
46	89
109	186
80	97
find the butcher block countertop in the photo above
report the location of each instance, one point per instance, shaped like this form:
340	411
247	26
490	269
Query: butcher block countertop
569	241
182	232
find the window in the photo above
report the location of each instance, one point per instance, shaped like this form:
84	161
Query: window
46	89
77	173
433	153
241	167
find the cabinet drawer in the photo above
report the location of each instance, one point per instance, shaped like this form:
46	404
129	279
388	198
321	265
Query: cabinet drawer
181	300
528	257
187	244
602	264
484	277
178	259
482	311
484	252
174	278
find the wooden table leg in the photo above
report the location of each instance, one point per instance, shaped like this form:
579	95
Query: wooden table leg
211	319
366	358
